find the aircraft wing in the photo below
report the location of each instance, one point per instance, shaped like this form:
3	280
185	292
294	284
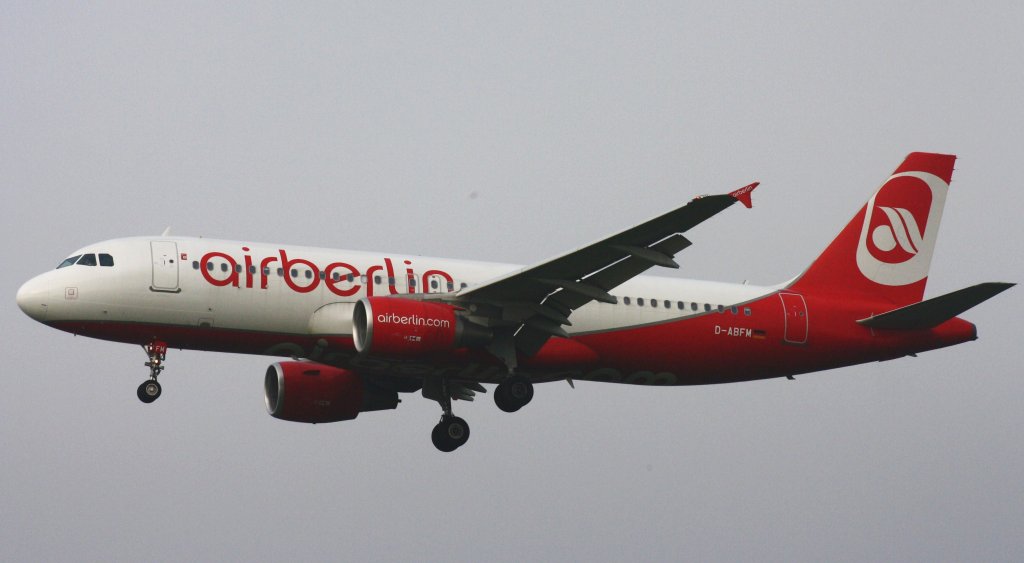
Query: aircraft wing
535	302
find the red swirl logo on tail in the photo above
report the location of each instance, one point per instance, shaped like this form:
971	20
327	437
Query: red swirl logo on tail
902	230
900	227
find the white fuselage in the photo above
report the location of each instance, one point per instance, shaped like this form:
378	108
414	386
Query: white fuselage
196	282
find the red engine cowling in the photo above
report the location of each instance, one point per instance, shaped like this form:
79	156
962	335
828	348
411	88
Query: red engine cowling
311	392
395	326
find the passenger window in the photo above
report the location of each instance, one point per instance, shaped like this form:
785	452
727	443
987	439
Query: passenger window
707	308
681	306
640	301
195	264
391	280
735	310
87	260
721	309
746	311
451	286
376	280
433	284
351	277
252	269
654	303
294	273
693	306
625	300
668	304
266	271
68	261
336	276
108	260
362	279
464	286
309	274
412	282
323	275
224	267
209	266
238	268
280	272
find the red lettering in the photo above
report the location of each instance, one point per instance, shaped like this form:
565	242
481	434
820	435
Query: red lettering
204	267
287	265
248	268
333	285
439	273
344	285
410	278
265	270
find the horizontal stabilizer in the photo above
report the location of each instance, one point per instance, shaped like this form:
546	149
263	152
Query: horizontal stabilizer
937	310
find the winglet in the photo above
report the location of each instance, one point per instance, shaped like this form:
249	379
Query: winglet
742	195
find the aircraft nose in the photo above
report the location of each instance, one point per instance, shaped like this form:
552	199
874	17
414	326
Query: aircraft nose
32	299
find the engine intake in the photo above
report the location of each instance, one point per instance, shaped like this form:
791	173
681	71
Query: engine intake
390	326
311	392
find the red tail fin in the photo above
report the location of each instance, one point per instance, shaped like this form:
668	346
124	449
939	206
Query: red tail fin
885	251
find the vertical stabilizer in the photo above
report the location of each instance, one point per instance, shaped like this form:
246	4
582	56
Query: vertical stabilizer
884	253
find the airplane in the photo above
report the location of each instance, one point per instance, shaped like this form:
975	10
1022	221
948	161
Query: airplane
361	328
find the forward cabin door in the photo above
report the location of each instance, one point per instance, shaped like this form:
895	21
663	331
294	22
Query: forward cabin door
165	266
795	310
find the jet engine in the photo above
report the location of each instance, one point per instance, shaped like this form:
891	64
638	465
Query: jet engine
311	392
395	326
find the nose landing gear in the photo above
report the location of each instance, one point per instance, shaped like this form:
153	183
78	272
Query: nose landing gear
150	389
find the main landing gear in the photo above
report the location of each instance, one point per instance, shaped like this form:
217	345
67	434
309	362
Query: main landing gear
150	389
452	432
514	393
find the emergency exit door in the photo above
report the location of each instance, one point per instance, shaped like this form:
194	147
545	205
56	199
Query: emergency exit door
165	266
795	310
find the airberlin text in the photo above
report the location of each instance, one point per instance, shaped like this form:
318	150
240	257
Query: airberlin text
340	278
414	320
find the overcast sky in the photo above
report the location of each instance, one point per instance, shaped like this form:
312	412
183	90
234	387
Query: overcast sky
509	133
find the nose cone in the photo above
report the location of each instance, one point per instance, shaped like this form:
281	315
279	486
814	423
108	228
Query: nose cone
33	299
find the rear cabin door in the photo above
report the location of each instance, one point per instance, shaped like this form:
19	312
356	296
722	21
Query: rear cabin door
795	310
165	266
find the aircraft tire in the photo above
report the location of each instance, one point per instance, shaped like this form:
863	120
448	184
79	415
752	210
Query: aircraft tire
514	393
450	434
149	391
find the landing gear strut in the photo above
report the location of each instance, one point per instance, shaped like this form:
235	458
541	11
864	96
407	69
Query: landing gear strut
451	432
514	393
150	389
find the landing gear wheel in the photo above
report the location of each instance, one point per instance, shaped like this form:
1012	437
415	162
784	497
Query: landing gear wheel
513	394
149	391
450	434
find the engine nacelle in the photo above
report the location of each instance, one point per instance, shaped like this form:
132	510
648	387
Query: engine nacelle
395	326
311	392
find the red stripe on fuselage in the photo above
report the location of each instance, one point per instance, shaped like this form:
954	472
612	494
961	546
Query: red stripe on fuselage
708	348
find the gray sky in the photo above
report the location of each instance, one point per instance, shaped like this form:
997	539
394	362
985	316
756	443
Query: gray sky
509	133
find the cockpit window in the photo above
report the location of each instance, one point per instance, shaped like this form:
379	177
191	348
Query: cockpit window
106	260
69	261
87	260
